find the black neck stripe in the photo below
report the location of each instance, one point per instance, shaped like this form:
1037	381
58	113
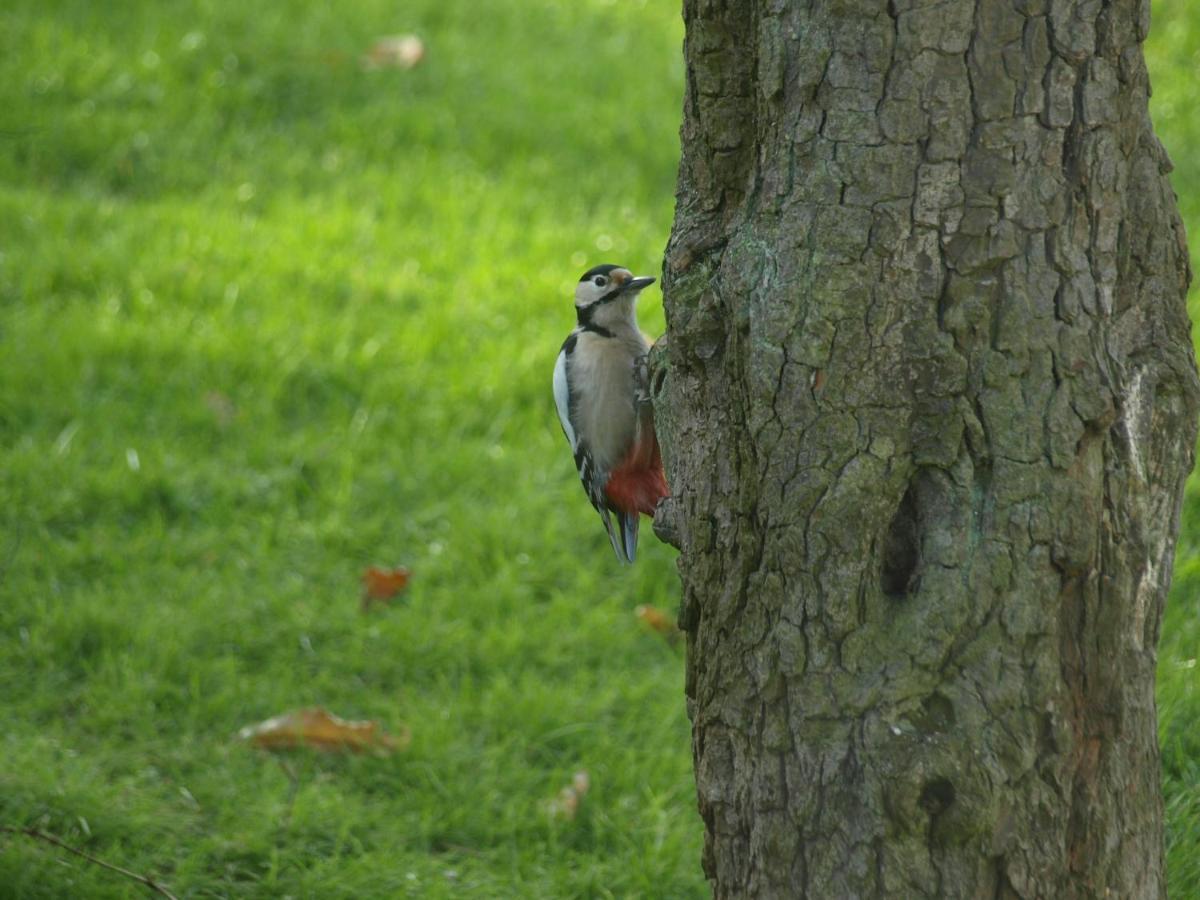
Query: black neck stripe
586	317
587	313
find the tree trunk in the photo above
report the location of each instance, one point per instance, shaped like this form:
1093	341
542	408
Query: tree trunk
928	401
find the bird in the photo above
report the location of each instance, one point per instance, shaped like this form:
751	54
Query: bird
604	406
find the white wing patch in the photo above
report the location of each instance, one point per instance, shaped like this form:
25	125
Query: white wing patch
562	397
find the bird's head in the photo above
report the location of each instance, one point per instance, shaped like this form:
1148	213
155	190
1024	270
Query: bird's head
607	293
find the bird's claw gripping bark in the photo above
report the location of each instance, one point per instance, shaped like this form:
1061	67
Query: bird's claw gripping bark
641	380
666	522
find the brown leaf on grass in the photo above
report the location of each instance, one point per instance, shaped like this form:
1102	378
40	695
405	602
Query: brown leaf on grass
565	805
381	584
395	51
221	407
321	730
657	620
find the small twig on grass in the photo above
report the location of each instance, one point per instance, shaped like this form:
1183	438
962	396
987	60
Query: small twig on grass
40	835
293	789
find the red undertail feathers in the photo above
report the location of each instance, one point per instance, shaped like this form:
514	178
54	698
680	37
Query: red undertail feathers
638	483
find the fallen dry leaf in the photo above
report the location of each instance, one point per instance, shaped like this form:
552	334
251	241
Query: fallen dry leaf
396	51
320	729
221	407
381	584
566	805
657	620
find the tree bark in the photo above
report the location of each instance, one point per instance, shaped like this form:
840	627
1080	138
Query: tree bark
928	401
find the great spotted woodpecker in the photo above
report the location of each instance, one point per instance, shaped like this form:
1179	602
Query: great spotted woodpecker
604	406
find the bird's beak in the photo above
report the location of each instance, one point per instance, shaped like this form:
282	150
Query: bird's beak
636	284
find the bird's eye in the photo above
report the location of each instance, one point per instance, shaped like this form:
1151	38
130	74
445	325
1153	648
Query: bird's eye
600	281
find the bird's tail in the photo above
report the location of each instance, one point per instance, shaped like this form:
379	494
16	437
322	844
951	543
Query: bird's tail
617	536
629	535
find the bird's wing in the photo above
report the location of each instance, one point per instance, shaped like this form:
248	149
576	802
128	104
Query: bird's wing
562	394
593	478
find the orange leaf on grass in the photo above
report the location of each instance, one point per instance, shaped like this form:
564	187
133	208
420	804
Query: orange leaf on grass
381	584
655	619
566	805
395	51
321	730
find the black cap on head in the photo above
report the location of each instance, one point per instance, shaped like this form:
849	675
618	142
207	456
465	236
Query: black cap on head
604	269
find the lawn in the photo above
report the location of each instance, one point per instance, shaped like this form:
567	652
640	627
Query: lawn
267	318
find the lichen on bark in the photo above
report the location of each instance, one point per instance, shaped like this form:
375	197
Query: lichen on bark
928	401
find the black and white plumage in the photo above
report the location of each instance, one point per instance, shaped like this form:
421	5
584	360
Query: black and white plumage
604	415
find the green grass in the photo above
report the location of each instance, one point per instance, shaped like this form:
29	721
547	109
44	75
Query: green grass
265	319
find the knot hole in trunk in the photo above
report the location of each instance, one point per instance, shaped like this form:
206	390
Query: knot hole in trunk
901	573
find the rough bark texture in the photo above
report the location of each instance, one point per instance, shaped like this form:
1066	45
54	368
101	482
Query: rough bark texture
928	400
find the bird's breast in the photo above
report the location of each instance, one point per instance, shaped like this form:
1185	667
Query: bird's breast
604	397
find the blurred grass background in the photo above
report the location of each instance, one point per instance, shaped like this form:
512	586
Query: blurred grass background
267	318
